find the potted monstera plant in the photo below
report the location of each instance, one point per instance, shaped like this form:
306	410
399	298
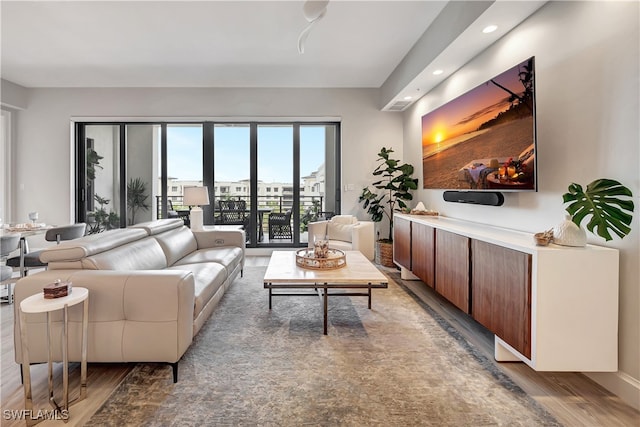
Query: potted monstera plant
607	201
390	192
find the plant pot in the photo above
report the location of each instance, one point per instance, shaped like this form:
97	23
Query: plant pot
384	254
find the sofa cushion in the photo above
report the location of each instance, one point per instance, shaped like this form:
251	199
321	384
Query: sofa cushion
339	231
208	279
145	254
339	244
177	243
228	256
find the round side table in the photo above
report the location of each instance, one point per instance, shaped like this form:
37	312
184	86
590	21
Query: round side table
39	304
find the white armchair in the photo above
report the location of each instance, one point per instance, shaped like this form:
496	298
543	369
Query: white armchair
346	232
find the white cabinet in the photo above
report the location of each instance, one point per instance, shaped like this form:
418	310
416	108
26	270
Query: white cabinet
574	298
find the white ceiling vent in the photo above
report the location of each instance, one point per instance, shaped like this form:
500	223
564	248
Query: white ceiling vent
398	106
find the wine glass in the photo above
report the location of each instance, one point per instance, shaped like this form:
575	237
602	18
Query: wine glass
33	216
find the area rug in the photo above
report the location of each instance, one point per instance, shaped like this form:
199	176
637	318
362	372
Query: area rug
398	364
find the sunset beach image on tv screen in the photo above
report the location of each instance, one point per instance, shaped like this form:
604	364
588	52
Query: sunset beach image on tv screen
484	139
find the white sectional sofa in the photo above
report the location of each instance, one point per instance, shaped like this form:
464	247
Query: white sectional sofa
151	288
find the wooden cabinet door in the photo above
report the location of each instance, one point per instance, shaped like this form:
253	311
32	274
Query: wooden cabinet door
402	242
423	257
452	268
501	293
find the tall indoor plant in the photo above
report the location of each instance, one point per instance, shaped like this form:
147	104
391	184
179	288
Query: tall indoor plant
390	192
136	197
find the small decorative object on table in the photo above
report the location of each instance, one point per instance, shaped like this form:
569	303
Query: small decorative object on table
421	210
57	289
320	246
334	258
544	238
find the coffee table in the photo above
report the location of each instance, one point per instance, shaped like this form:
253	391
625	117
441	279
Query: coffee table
359	273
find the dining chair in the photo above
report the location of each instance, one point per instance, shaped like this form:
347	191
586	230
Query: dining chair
8	244
54	234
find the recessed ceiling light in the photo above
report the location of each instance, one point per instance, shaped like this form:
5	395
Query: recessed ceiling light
437	72
407	98
490	29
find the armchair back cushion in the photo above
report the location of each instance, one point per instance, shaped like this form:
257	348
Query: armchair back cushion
343	219
345	232
339	231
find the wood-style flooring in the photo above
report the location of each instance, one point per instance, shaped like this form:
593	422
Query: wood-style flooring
572	398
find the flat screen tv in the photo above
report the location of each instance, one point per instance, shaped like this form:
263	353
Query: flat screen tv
484	140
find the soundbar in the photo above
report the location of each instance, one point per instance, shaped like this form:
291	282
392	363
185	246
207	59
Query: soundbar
489	198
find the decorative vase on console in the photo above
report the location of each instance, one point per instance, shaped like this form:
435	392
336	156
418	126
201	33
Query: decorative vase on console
567	233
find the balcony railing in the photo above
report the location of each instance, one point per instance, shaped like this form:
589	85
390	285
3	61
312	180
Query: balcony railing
273	203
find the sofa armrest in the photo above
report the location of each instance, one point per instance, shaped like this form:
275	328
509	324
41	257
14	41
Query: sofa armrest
214	238
316	228
143	315
363	238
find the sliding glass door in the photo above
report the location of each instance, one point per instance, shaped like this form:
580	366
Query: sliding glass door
270	179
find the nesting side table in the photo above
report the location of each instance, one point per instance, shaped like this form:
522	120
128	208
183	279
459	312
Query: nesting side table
38	304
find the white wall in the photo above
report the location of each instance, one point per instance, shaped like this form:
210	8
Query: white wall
587	88
43	154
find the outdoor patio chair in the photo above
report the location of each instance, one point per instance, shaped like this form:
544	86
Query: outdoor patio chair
280	225
232	212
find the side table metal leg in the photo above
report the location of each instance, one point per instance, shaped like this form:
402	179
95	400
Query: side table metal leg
50	361
270	295
83	364
369	296
26	372
65	360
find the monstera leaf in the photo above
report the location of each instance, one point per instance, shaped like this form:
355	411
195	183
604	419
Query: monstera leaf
601	201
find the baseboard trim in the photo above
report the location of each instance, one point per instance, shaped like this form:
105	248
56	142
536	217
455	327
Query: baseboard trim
621	384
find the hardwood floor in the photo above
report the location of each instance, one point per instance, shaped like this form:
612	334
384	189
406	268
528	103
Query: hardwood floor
572	398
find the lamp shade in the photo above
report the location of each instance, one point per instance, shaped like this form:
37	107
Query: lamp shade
196	196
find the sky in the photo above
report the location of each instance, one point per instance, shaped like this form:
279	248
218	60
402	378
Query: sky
231	155
467	112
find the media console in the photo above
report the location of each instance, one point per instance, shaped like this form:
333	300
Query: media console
554	308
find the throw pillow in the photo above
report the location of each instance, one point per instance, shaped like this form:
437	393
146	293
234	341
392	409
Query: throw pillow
343	219
338	231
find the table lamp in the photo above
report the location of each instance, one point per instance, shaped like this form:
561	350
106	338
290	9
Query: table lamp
196	197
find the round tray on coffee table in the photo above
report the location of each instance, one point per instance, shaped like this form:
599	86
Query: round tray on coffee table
306	258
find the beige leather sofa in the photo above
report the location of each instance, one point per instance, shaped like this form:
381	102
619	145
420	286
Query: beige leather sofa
347	233
151	288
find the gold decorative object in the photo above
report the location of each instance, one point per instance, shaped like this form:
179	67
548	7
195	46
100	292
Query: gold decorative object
544	238
428	213
306	258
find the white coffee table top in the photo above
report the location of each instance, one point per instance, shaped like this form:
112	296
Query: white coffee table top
282	268
39	304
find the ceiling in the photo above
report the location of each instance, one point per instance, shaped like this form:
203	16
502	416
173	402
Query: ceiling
358	44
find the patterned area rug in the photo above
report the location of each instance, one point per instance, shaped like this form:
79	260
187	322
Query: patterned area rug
398	364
